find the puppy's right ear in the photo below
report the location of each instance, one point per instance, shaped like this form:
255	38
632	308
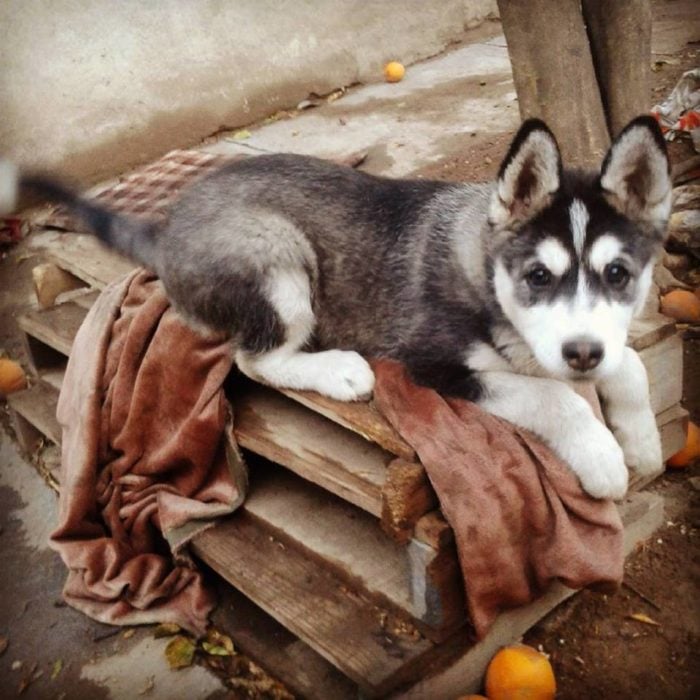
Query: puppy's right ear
529	175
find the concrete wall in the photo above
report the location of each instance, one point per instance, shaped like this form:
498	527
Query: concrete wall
92	87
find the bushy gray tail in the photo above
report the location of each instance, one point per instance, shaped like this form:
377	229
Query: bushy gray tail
131	236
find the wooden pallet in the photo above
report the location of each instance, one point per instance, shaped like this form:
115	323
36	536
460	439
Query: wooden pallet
340	541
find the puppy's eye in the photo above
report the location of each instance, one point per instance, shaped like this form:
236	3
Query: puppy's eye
616	275
539	277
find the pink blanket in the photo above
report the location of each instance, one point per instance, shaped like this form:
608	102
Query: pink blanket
145	463
519	516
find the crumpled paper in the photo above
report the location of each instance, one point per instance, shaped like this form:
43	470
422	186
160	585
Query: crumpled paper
679	113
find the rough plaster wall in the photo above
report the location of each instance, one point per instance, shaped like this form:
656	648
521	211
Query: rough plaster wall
91	87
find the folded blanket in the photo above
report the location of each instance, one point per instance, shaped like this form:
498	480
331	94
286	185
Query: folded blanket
145	463
519	516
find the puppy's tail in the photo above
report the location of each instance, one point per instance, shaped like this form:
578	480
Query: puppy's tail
133	237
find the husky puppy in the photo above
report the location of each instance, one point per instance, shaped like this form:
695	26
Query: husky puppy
492	292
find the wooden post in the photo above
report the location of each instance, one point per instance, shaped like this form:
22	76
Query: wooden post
554	74
620	39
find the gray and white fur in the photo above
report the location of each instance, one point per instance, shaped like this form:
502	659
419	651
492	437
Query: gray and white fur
492	292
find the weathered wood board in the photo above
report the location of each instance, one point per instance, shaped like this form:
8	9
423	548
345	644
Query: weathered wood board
664	364
317	449
85	257
33	414
419	580
258	635
353	633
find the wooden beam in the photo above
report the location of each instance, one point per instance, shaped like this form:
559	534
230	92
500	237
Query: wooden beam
554	74
619	34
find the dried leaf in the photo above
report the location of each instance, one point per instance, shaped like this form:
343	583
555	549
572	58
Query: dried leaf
129	634
216	639
180	652
641	617
167	629
215	649
57	668
4	643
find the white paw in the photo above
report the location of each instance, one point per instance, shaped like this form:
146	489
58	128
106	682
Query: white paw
596	458
638	435
344	375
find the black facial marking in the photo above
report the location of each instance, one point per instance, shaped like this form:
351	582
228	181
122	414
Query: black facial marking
637	244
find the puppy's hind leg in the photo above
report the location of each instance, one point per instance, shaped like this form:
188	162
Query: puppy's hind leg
338	374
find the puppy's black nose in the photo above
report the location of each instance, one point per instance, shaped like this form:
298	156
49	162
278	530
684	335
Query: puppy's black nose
582	354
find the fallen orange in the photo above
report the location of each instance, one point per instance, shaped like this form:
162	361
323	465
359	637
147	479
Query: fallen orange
519	672
681	305
690	452
394	71
12	377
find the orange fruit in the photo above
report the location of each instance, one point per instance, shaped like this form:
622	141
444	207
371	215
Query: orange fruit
681	305
394	71
690	452
12	377
519	672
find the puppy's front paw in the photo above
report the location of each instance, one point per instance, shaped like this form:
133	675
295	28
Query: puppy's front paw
344	375
598	461
638	435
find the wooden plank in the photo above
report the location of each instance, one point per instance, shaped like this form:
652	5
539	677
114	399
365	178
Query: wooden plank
419	581
277	650
642	514
649	330
406	496
352	633
85	257
56	326
664	365
37	406
673	426
53	377
84	299
313	447
361	417
28	436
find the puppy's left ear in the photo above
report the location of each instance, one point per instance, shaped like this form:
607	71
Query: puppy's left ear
636	174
